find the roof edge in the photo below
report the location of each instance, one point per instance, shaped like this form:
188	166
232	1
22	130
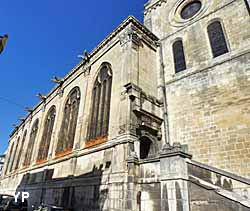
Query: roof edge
117	30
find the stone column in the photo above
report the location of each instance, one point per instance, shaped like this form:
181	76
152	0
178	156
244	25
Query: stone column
174	178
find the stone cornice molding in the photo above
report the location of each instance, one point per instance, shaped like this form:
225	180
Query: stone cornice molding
112	35
149	7
122	139
85	66
134	34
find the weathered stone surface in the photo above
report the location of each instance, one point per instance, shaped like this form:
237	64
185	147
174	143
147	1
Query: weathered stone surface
206	109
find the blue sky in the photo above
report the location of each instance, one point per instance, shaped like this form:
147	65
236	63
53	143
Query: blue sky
45	38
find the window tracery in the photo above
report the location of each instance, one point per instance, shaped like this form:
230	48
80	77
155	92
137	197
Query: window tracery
20	152
30	147
100	109
9	158
69	122
14	154
47	134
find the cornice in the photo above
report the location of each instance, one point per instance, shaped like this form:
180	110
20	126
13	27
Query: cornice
134	34
112	35
147	35
149	7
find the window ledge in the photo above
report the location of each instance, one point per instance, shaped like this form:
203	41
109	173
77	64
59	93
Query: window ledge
38	162
63	153
95	142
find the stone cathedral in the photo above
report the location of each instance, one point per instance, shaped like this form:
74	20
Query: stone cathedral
155	118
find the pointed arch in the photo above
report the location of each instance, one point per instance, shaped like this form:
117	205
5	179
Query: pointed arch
69	122
20	152
9	158
47	135
30	147
100	106
14	154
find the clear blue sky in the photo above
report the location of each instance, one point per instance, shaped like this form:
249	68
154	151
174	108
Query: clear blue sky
45	38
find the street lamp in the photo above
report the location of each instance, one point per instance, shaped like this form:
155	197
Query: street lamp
3	41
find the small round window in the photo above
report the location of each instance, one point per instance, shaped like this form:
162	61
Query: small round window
191	9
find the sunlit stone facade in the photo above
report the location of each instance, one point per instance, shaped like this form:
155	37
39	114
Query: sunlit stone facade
155	118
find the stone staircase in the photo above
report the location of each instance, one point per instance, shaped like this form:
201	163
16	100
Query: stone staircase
187	185
216	189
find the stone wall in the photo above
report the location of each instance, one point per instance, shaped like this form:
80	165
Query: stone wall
208	103
202	199
209	111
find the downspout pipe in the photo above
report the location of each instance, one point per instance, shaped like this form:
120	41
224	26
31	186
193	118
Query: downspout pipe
165	102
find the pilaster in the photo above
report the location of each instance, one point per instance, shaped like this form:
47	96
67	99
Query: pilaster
174	178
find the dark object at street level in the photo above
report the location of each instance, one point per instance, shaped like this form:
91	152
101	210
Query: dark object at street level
8	203
46	207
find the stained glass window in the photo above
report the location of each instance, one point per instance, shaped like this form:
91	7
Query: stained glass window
30	147
179	56
191	9
100	109
217	39
47	134
68	127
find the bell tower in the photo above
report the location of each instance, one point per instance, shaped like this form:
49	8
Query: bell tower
205	58
151	8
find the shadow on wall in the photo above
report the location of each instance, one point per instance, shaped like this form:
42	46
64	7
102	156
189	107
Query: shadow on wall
83	193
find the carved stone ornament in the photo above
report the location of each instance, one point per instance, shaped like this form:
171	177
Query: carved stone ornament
153	6
130	35
86	70
149	122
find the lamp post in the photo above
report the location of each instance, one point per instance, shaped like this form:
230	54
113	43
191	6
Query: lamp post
3	41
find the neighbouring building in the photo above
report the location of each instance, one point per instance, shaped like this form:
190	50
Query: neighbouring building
1	163
155	118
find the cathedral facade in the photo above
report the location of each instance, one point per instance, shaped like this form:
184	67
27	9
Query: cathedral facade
155	118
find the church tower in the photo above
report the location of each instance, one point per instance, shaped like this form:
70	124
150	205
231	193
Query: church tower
206	58
155	118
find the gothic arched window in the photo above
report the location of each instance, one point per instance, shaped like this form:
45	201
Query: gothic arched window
68	127
9	158
29	152
47	134
20	150
100	108
14	154
179	56
217	39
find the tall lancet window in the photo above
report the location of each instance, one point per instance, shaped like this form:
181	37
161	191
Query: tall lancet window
20	151
47	135
68	127
30	147
100	108
13	159
179	56
217	39
9	158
